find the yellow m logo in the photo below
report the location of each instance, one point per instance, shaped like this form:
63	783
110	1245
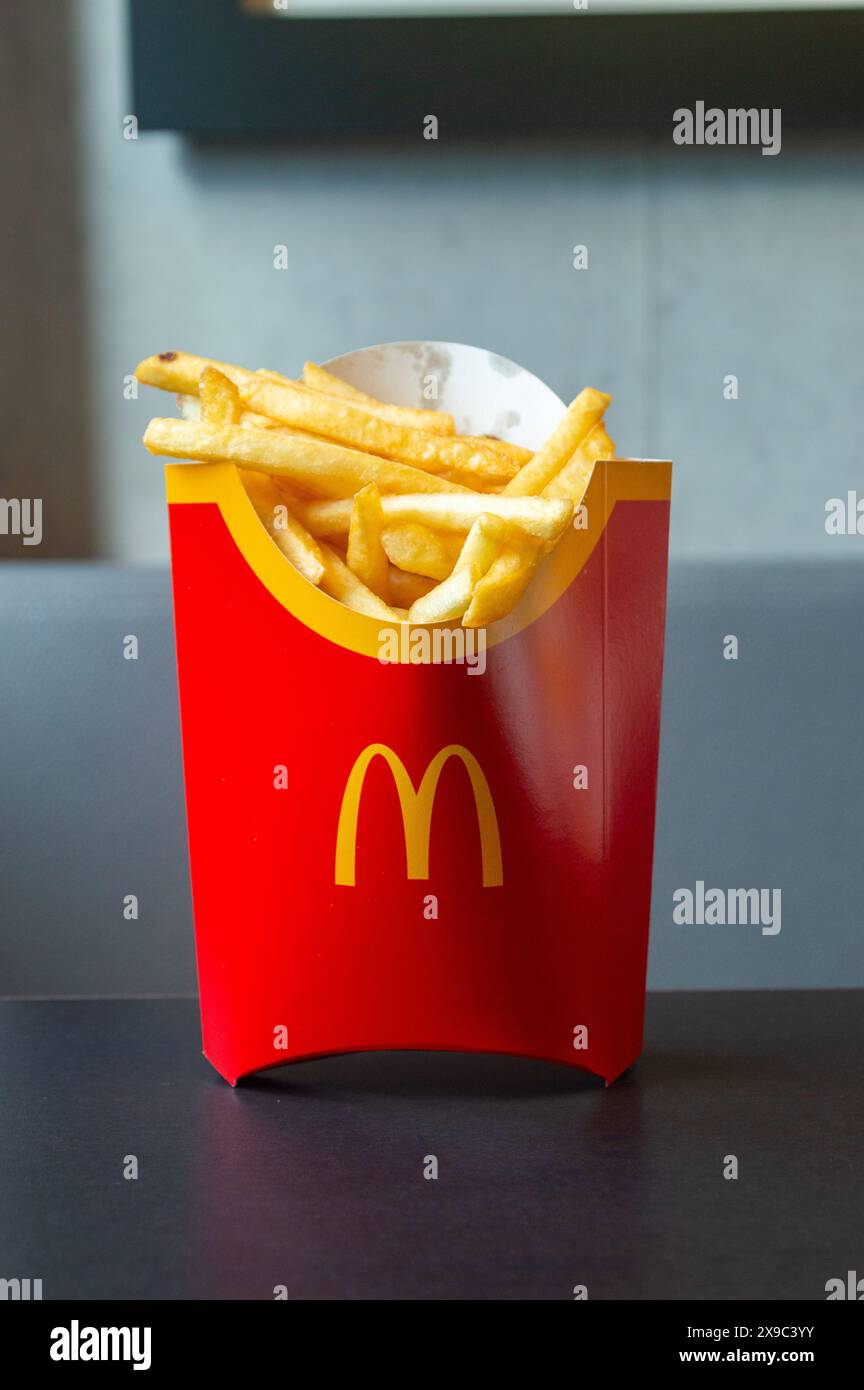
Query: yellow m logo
417	813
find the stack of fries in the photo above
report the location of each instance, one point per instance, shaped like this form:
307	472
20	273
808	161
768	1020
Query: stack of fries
385	507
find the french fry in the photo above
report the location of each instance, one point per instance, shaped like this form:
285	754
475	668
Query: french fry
190	409
314	465
581	416
341	584
515	452
340	419
153	370
322	380
293	540
325	384
276	376
319	379
434	421
451	598
575	476
420	550
508	577
406	588
219	397
181	371
351	425
447	601
409	546
470	481
503	584
478	483
366	555
543	517
565	452
175	371
252	421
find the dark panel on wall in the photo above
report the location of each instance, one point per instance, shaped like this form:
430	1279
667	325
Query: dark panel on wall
205	68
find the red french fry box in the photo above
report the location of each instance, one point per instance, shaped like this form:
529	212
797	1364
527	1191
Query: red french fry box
423	838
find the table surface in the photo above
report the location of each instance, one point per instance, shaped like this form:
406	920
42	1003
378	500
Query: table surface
312	1176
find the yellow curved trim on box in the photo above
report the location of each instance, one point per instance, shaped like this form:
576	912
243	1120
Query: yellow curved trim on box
618	480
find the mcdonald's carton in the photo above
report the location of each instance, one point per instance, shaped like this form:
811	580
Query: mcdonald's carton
422	837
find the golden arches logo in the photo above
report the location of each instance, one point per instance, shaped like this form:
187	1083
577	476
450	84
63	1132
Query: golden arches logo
416	809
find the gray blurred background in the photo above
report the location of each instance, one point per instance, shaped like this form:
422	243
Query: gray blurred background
699	267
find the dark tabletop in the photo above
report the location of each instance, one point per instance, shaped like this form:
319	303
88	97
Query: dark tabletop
312	1176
